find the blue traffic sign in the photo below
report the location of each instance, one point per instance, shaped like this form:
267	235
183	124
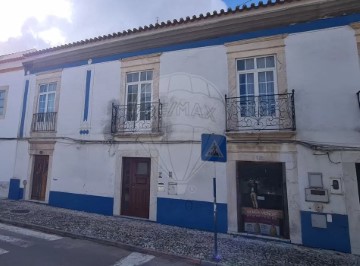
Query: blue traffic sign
213	148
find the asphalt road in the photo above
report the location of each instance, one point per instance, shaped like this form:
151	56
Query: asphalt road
20	246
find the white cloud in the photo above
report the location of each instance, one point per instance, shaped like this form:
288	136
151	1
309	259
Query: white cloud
43	23
16	12
53	36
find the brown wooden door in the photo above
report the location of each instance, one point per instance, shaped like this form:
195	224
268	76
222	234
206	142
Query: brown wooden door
39	179
136	187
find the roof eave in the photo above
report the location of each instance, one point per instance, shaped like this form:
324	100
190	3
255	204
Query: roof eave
274	16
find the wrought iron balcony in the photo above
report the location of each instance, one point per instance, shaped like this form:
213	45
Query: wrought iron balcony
44	122
265	112
144	117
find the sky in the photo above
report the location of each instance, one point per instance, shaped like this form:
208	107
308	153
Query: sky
41	24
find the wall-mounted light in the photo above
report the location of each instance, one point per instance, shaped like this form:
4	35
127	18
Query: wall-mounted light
358	97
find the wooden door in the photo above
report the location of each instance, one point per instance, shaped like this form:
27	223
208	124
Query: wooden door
39	179
136	187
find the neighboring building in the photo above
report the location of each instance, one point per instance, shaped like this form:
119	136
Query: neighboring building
11	93
112	125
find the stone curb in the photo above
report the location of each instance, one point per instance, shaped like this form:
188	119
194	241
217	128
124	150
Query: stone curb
127	247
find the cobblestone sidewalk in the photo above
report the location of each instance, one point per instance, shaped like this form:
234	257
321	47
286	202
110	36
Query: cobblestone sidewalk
235	250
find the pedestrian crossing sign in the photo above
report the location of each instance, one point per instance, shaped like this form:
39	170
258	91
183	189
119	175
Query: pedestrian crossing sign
213	148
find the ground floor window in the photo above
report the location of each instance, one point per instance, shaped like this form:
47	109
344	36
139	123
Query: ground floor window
262	201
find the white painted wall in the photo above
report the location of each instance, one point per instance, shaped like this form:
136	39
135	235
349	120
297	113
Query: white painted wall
9	125
104	89
193	84
83	169
323	69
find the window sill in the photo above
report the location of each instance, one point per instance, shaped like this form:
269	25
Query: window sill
261	135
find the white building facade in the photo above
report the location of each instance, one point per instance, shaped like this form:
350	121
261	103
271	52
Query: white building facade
113	125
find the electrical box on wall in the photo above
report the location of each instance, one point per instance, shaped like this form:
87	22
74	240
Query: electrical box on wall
316	195
335	185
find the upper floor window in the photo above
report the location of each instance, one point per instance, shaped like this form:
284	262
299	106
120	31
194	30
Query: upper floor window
257	85
3	98
139	108
258	96
46	102
47	94
139	95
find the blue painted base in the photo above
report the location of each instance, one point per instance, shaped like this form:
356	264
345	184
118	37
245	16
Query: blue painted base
15	192
334	237
79	202
191	214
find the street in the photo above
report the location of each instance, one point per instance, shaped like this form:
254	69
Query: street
19	246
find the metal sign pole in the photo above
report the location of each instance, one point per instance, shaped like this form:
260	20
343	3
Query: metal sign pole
213	149
216	256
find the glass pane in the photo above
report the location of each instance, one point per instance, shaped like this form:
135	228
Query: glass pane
262	88
52	87
250	89
250	78
145	88
131	112
143	76
262	77
242	78
270	61
269	76
242	89
270	88
2	102
132	89
132	77
42	103
260	62
149	75
145	111
51	103
142	168
1	110
2	95
43	88
249	63
240	65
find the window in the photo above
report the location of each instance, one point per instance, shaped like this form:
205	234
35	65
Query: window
139	91
46	102
256	83
139	108
3	100
258	96
47	96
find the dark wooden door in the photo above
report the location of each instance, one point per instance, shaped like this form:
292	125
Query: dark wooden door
41	164
136	187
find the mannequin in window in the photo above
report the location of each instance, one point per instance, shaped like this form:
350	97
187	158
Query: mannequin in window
253	194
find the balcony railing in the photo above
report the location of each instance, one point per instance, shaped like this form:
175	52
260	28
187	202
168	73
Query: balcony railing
144	117
43	122
264	112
